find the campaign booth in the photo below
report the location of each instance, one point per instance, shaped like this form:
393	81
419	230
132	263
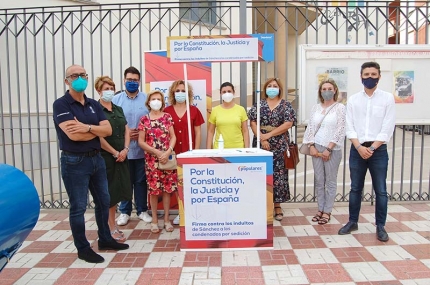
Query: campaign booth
226	199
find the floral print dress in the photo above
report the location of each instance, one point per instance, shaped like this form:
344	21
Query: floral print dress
282	113
157	136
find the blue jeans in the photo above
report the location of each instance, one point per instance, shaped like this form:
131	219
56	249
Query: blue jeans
140	188
79	174
377	165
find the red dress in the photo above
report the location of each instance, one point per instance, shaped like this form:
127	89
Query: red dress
157	136
181	128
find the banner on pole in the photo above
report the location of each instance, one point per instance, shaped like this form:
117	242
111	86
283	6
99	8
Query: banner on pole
221	48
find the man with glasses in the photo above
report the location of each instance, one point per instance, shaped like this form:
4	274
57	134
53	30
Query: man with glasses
370	122
132	101
79	122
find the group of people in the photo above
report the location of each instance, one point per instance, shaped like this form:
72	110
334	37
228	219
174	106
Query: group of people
114	147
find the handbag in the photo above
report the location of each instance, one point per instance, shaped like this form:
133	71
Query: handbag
171	163
304	148
291	156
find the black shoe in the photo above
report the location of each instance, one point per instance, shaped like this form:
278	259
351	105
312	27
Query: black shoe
381	234
113	245
348	228
90	256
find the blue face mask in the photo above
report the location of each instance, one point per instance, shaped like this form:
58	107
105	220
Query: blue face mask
370	82
272	92
180	97
131	86
79	84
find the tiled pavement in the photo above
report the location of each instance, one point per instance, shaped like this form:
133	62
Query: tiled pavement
304	253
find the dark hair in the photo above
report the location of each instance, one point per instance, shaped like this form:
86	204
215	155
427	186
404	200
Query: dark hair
370	64
226	84
270	80
132	70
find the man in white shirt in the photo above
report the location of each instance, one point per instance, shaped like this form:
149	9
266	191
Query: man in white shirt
370	122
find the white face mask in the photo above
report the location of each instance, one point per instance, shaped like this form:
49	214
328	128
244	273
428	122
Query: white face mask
180	97
155	104
107	95
227	97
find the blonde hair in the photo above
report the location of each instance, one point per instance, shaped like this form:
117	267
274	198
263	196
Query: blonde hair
172	89
333	83
163	103
101	80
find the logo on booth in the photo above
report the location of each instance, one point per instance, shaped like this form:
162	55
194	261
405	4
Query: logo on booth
250	168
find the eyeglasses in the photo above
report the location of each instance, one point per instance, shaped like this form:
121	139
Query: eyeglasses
132	80
74	76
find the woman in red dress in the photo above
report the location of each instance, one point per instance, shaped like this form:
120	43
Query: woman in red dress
178	111
157	139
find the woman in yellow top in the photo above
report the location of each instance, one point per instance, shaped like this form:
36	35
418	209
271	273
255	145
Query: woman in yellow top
228	119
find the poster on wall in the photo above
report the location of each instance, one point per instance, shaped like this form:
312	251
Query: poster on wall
403	86
340	77
218	199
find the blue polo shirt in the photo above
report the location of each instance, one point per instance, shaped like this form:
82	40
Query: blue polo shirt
65	109
134	109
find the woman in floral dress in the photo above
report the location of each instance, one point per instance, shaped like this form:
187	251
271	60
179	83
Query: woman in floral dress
157	138
276	117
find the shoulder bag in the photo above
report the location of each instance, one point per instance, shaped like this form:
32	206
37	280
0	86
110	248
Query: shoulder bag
304	148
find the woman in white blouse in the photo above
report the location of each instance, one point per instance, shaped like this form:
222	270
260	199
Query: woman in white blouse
325	136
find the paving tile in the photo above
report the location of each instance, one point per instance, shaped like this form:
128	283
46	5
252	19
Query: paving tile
79	276
396	227
389	253
128	260
240	258
56	235
277	257
242	275
165	259
418	226
56	215
402	217
404	238
295	221
407	269
340	241
353	254
371	240
417	207
108	256
281	243
203	258
200	275
114	276
35	234
298	231
425	215
57	260
63	225
307	242
325	273
41	276
166	245
424	281
315	256
419	251
327	229
159	276
368	271
45	225
284	274
395	208
279	232
10	275
25	260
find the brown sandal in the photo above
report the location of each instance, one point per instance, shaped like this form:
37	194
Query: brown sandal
324	220
278	216
317	217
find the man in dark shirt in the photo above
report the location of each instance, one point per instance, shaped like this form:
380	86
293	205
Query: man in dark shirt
79	122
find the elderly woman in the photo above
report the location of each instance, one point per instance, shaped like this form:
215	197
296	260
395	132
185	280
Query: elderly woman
114	151
276	117
157	138
326	142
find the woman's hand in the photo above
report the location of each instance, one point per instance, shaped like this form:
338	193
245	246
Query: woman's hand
265	137
122	155
326	155
164	157
265	145
313	151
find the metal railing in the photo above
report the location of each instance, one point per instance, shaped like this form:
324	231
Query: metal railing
37	44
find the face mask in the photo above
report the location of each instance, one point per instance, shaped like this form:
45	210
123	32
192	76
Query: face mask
180	97
131	86
155	105
79	84
370	82
227	97
107	95
272	92
327	95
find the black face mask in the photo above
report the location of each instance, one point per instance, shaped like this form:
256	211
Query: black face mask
369	82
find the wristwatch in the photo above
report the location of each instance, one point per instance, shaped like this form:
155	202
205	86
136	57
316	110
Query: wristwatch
372	148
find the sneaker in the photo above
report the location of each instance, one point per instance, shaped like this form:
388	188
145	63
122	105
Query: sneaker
176	220
144	216
122	220
112	245
90	256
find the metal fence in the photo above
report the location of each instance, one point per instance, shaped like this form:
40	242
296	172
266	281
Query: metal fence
37	44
